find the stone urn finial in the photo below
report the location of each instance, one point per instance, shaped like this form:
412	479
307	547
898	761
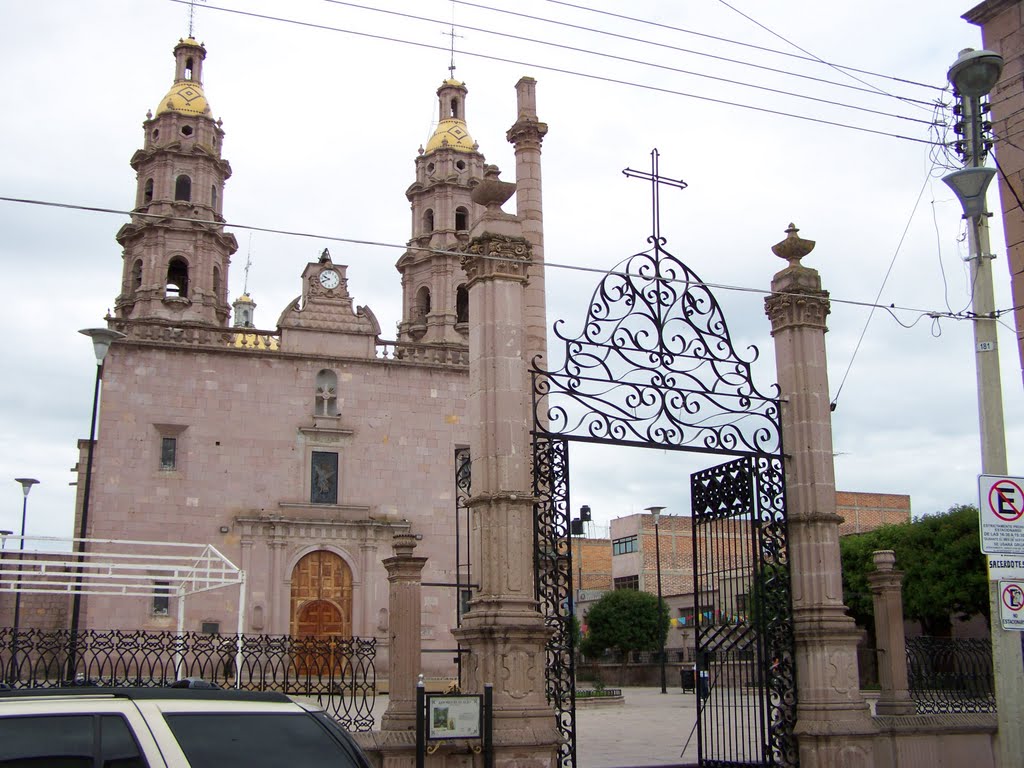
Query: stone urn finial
404	544
793	248
492	192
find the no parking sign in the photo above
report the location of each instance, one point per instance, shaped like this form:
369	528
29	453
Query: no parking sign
1001	504
1011	605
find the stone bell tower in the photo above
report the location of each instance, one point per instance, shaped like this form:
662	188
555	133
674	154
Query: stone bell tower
176	253
435	297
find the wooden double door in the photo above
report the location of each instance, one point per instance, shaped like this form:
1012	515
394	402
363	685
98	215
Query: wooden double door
321	612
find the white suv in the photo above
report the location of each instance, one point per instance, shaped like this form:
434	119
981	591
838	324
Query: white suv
168	728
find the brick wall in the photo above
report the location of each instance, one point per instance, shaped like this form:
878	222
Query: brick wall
592	563
866	511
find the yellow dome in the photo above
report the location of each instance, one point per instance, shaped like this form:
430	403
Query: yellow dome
185	97
451	133
245	298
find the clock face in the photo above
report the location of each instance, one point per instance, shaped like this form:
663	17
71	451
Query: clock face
329	279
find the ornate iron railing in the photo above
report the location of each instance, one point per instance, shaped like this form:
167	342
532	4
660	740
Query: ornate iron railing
948	675
338	672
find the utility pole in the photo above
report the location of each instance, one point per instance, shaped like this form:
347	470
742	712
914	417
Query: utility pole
973	76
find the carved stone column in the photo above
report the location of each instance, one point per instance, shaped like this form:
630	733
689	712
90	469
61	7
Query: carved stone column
526	135
503	629
405	605
890	639
834	728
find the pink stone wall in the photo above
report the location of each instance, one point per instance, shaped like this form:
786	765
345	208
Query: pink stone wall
245	430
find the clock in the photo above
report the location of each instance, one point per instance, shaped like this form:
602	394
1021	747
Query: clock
329	279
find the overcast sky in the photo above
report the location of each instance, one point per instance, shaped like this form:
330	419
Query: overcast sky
322	127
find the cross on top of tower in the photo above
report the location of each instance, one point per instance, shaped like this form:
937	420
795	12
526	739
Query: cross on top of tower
248	264
656	180
452	35
192	15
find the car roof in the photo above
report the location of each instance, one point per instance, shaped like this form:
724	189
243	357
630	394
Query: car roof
149	694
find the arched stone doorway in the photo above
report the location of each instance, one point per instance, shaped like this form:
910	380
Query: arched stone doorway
321	609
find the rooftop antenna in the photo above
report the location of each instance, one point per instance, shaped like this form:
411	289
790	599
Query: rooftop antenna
452	35
248	263
192	15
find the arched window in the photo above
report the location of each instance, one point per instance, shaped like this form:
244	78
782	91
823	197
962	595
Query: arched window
188	68
183	188
326	393
136	276
213	196
147	192
461	304
455	108
422	305
216	282
428	220
177	278
461	219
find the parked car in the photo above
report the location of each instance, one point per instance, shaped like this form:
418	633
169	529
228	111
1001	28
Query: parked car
169	728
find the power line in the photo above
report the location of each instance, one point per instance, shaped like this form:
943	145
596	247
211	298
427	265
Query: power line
564	71
803	50
871	90
640	62
891	308
871	314
733	42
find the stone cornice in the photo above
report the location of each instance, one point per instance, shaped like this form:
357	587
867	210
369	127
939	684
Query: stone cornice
797	310
490	256
526	132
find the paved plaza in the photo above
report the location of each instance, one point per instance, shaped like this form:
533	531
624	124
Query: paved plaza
648	729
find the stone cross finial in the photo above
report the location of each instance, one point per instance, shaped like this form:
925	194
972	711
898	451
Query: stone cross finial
793	248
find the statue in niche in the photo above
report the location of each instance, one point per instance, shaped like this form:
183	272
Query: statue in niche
324	480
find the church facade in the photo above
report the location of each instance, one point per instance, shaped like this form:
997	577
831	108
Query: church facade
297	452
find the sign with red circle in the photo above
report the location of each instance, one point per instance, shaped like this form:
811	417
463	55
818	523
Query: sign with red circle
1011	605
1001	503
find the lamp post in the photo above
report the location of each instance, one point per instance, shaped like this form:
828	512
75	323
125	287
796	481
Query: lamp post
26	486
102	338
656	514
973	76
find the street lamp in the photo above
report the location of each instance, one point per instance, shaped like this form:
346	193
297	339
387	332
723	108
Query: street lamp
26	486
102	338
656	514
973	76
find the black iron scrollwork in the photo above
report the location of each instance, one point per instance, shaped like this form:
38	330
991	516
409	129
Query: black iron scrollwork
553	566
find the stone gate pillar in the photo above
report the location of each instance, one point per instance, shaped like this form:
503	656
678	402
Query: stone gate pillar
503	628
886	584
834	728
405	607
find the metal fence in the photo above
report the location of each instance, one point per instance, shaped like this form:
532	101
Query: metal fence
337	672
948	675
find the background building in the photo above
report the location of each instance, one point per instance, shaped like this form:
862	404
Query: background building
635	566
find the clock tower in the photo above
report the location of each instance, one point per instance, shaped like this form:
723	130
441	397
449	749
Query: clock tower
323	319
176	253
435	298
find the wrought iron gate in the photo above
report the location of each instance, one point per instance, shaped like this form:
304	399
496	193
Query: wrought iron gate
655	367
746	688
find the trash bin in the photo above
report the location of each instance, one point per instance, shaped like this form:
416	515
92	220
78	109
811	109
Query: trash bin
705	684
687	678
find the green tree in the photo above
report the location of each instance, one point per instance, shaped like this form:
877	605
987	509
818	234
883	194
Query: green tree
944	570
625	620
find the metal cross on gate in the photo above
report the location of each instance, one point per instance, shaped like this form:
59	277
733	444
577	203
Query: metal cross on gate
656	179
